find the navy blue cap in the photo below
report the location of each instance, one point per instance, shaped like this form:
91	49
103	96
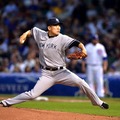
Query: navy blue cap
95	37
53	21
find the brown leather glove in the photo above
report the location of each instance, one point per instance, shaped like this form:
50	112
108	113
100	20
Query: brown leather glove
76	55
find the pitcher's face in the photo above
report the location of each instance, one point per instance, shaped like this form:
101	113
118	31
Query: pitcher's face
54	30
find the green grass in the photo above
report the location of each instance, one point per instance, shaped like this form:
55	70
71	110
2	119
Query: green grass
76	107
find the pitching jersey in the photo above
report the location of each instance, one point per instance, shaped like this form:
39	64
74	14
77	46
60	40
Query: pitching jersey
96	53
51	49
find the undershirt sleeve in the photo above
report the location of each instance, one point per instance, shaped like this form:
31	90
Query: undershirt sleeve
75	44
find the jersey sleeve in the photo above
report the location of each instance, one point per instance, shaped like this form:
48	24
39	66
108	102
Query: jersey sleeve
37	33
104	55
74	44
67	41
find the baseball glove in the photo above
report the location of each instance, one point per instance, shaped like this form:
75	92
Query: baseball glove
76	55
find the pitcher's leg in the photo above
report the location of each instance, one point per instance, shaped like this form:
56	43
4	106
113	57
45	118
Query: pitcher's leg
92	95
89	92
72	79
42	85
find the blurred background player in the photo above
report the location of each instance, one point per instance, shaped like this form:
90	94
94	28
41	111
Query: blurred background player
96	64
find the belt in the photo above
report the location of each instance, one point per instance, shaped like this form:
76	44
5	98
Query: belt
52	68
94	64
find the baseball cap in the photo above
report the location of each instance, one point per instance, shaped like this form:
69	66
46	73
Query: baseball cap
94	37
53	21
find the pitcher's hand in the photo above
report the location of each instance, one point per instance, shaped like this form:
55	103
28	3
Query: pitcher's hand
24	36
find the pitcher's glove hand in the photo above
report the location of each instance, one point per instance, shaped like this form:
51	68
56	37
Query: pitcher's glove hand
76	55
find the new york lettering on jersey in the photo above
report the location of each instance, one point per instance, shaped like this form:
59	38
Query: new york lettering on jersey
49	45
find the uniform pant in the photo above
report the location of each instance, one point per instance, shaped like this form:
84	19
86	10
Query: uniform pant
95	75
50	78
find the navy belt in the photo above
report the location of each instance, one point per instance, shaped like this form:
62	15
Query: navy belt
52	68
94	64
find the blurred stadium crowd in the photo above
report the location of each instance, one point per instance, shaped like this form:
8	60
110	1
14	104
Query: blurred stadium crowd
81	19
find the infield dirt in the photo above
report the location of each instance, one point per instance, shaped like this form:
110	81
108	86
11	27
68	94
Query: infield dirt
12	113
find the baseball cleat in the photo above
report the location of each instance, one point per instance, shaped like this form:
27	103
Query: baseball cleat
2	105
104	105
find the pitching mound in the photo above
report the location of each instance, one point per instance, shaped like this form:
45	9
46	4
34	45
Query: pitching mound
12	113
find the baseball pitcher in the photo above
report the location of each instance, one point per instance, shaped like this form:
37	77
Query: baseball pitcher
52	46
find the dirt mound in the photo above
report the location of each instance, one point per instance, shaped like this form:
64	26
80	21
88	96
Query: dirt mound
12	113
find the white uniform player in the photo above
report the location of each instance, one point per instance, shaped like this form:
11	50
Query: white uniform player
96	62
52	46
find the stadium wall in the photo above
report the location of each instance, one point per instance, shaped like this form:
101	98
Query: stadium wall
15	83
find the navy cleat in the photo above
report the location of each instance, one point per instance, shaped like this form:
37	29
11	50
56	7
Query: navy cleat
104	105
2	105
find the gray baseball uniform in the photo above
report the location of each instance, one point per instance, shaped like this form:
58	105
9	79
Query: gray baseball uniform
52	60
